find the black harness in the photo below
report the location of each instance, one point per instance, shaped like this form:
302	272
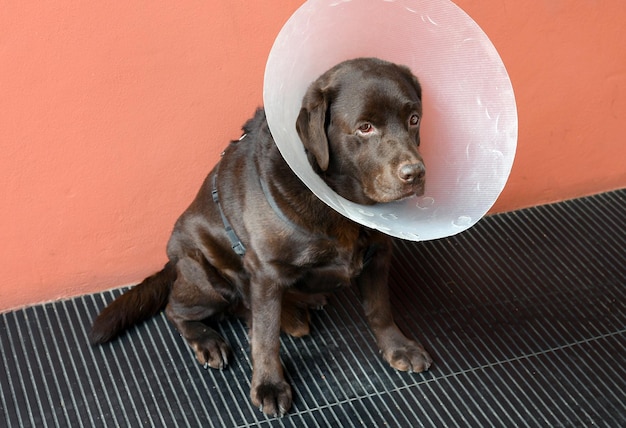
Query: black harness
236	243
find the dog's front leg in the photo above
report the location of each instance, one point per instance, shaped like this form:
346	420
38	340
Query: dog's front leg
269	391
399	351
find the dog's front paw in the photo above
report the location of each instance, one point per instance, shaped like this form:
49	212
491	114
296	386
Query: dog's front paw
408	356
272	398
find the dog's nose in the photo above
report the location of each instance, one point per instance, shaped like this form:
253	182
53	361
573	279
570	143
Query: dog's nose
411	172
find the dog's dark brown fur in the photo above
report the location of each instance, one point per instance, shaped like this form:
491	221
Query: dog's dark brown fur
359	124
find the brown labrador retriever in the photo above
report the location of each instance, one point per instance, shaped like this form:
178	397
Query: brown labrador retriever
256	242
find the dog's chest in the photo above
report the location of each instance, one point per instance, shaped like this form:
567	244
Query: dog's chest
335	267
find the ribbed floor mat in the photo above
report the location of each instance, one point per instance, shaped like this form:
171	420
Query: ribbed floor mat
524	314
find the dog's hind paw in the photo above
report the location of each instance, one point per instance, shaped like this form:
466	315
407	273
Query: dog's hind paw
212	351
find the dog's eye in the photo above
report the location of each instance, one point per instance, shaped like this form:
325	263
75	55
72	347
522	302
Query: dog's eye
414	120
366	128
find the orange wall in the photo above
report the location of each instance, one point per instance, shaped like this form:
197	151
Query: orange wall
111	114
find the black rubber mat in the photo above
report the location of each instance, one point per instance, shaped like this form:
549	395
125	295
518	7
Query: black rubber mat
524	314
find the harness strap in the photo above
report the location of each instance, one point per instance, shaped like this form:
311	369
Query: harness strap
235	242
270	199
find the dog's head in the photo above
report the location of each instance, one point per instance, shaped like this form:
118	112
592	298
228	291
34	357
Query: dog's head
359	124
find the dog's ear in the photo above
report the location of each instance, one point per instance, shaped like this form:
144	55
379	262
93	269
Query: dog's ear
414	81
417	86
311	123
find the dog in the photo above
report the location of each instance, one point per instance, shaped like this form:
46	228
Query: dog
257	243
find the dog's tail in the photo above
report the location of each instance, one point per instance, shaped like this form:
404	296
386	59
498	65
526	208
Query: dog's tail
138	304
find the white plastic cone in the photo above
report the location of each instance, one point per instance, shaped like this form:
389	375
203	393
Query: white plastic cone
469	128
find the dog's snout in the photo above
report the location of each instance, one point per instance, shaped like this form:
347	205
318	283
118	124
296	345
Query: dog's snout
411	172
